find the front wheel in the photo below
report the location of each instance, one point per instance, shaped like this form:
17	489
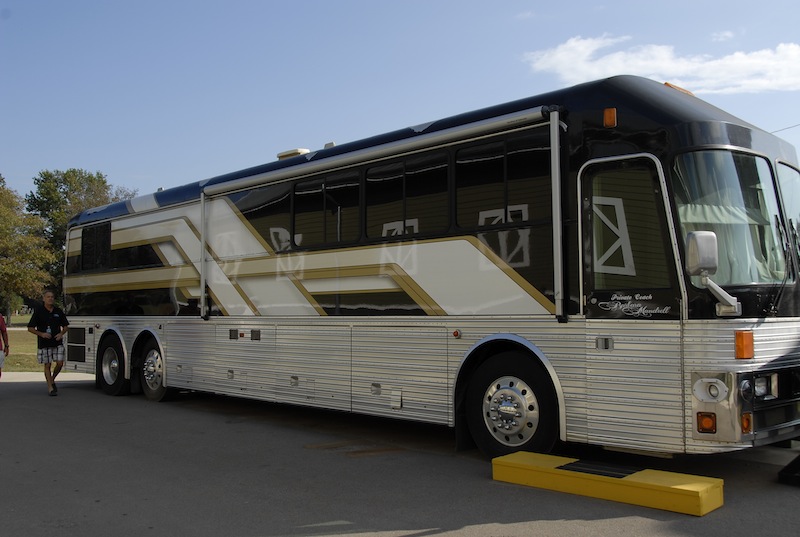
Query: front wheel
153	373
511	406
111	367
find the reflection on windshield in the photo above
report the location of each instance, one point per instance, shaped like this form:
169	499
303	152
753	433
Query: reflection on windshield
789	180
732	195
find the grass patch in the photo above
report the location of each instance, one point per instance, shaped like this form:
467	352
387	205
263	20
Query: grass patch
22	357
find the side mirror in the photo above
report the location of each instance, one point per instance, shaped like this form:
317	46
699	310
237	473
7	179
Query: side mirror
701	253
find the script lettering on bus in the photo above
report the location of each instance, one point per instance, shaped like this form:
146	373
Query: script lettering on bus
631	306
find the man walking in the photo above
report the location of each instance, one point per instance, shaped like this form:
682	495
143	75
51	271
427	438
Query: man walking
49	324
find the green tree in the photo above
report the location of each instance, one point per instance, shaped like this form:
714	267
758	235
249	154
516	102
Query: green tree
60	195
25	254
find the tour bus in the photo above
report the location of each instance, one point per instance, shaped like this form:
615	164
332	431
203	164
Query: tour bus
614	264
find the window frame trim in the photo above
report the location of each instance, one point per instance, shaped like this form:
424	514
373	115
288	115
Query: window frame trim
668	214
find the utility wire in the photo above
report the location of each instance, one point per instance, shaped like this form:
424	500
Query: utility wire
785	128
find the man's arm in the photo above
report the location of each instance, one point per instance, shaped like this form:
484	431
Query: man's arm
63	331
43	335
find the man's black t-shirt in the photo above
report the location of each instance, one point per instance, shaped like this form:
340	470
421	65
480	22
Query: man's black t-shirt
42	319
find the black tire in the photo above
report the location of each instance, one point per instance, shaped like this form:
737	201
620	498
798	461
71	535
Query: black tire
111	367
152	373
511	406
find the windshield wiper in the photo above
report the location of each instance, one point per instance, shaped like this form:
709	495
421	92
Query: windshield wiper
777	290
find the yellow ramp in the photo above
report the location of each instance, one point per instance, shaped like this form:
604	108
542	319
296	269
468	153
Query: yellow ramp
682	493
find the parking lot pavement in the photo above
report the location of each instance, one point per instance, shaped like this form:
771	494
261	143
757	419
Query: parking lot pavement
203	465
29	376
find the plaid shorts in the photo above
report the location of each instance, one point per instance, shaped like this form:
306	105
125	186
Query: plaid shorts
49	355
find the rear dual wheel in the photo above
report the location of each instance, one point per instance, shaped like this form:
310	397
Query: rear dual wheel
152	372
111	370
111	367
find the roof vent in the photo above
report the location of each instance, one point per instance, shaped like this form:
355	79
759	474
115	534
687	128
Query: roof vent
293	153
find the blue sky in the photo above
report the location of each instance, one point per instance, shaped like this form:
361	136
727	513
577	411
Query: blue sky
167	92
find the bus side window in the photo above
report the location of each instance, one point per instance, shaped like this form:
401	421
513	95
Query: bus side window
503	189
268	209
96	247
309	211
342	207
480	172
426	193
326	210
504	182
384	198
408	198
528	175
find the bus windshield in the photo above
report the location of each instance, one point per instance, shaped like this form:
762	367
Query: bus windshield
789	179
733	195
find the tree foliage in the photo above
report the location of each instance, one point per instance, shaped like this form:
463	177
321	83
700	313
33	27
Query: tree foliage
60	195
25	254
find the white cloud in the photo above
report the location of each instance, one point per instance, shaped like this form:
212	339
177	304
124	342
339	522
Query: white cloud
581	59
722	36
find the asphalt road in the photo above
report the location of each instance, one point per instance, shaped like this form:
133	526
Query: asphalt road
91	465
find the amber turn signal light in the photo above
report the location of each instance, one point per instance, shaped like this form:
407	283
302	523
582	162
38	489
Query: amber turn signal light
744	345
706	422
747	422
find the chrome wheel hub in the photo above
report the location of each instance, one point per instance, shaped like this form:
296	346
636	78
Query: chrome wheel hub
511	411
110	366
152	369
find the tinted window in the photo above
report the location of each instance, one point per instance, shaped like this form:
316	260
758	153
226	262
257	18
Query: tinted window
408	198
326	210
96	247
528	175
504	181
629	248
426	193
135	257
342	207
309	213
268	210
480	173
384	191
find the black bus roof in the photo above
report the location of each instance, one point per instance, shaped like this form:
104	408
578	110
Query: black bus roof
653	103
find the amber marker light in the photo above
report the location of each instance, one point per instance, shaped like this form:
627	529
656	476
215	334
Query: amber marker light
610	118
744	344
706	422
747	422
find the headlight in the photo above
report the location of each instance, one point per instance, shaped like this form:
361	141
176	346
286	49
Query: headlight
746	390
762	386
766	387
